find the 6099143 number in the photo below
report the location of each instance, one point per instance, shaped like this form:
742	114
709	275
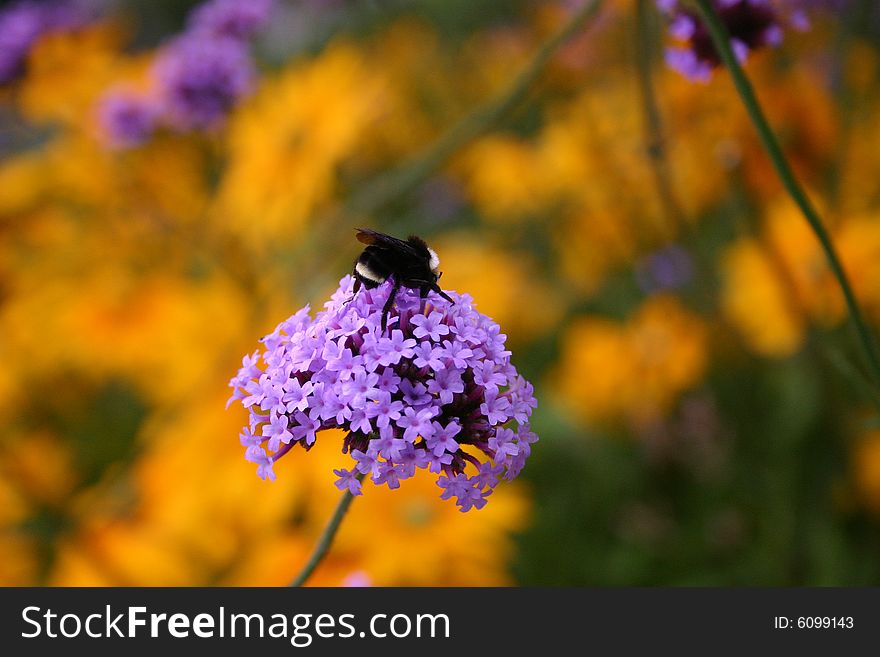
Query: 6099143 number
814	623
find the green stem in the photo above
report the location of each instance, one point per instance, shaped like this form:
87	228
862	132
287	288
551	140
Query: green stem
655	147
721	40
409	175
326	539
855	378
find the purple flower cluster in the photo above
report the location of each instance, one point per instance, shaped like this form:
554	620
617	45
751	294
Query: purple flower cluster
435	391
232	19
197	78
668	268
127	117
200	78
752	24
23	22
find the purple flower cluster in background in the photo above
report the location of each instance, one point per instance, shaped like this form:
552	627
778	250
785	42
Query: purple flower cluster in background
200	78
23	22
669	268
752	24
435	390
197	78
232	19
127	116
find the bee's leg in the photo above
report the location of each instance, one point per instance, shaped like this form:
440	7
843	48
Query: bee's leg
436	288
387	308
424	288
355	288
431	286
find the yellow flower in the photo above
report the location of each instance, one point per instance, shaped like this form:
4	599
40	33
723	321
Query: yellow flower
286	143
773	287
502	177
635	371
504	285
596	364
21	184
18	559
866	470
67	71
859	242
757	302
41	466
670	345
164	334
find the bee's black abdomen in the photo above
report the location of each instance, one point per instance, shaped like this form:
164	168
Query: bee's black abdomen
371	268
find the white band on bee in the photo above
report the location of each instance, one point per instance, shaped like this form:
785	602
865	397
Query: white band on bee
367	273
434	262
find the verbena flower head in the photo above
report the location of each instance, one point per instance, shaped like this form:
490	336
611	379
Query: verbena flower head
127	117
435	391
752	24
231	18
200	78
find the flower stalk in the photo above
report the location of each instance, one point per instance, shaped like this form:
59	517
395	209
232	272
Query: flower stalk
326	539
653	124
721	41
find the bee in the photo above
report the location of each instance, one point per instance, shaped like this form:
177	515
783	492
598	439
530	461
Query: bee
409	263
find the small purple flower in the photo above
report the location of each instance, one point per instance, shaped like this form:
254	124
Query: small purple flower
277	431
296	395
430	326
414	394
360	387
127	118
395	348
342	360
496	407
435	391
669	268
430	356
417	423
445	384
411	459
389	474
200	79
367	462
457	353
359	421
348	481
488	475
385	410
389	447
443	438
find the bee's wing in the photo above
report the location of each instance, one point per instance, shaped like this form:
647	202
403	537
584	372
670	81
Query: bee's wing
383	241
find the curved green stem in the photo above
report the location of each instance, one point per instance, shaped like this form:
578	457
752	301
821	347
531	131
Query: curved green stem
721	40
655	146
327	536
